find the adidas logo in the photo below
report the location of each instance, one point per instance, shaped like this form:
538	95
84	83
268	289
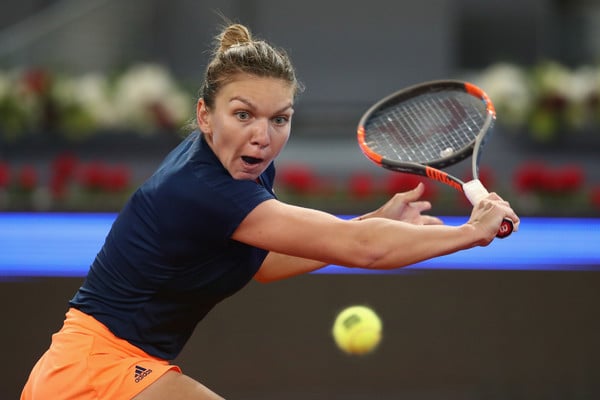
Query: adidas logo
141	373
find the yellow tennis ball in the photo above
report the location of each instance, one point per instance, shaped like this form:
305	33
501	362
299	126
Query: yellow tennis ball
357	330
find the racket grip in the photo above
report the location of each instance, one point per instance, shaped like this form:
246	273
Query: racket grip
506	228
475	191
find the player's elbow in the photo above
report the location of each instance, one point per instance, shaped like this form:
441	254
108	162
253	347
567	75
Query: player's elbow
263	280
368	255
371	261
364	249
262	276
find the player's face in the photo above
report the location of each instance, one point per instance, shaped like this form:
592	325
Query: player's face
249	123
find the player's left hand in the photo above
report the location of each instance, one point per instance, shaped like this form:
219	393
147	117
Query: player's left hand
407	207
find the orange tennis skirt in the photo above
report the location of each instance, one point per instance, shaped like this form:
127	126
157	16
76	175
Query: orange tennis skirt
86	361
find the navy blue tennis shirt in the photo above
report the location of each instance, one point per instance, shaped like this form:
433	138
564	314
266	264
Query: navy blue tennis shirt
168	258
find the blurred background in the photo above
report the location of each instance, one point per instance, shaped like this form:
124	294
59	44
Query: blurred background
94	93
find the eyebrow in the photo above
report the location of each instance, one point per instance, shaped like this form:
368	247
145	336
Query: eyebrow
251	105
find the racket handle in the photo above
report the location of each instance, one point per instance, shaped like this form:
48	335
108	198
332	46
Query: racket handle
506	228
475	191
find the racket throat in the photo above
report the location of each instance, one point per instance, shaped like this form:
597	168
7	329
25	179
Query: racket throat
443	177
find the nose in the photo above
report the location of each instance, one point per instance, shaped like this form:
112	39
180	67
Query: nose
260	134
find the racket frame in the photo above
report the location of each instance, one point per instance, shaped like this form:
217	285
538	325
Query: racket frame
474	189
432	169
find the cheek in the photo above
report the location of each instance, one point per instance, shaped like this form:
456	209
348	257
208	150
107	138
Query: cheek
282	137
219	132
278	142
221	144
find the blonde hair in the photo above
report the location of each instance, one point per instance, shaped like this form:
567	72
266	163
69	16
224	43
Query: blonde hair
237	52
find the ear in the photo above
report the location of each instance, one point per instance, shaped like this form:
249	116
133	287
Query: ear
203	117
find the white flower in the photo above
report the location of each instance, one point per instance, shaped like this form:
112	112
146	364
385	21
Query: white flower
141	89
553	78
583	89
93	94
5	84
583	84
509	89
179	106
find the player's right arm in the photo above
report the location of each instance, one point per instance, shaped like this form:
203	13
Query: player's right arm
376	243
405	206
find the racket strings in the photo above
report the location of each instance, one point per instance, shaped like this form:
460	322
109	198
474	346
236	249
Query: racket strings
426	128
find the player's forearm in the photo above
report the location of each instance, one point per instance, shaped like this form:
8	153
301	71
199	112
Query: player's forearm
400	245
393	246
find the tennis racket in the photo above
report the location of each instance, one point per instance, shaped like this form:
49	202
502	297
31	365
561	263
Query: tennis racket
424	128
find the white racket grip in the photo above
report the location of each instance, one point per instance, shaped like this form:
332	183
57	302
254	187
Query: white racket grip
475	191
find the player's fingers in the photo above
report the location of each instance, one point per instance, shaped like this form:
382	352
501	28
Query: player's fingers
494	201
512	215
414	194
496	197
421	205
430	220
509	212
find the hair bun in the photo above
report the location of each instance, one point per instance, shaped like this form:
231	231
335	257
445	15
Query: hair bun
234	35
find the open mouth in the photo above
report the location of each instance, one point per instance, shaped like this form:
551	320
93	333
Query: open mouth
251	160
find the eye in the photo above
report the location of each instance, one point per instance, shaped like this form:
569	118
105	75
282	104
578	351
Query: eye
281	120
243	115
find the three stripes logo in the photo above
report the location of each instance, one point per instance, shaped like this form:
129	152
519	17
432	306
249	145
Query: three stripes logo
141	373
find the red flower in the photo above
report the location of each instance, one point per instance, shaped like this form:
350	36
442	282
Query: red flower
550	182
398	182
530	176
570	178
567	179
63	169
64	165
117	178
4	174
36	81
28	177
361	185
535	176
299	178
93	175
58	186
595	197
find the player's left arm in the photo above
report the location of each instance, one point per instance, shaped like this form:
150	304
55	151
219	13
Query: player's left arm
403	207
281	266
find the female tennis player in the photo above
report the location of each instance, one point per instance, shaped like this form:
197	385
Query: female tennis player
206	223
